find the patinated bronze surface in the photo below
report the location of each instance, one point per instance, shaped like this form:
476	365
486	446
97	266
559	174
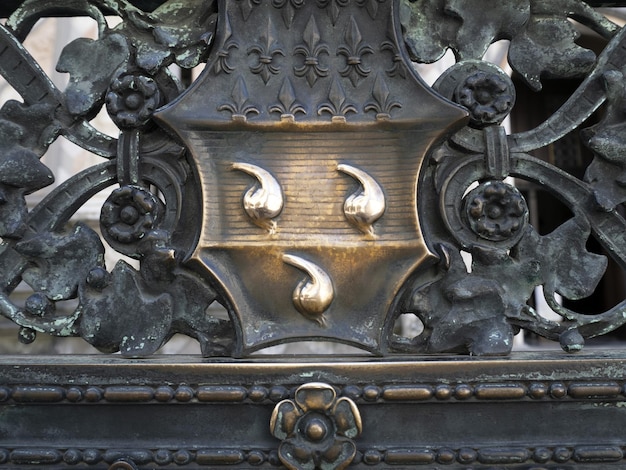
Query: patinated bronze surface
311	183
308	180
530	411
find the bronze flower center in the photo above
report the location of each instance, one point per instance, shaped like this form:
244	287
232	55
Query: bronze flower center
316	429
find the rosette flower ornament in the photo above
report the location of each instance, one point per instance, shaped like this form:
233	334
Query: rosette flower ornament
131	100
316	428
496	211
489	97
128	214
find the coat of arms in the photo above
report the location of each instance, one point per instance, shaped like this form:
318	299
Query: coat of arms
308	129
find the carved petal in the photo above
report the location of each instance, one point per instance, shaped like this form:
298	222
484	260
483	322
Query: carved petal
295	457
62	261
315	396
339	455
347	418
284	418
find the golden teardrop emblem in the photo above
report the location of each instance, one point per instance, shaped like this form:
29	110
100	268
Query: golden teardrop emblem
264	201
314	294
366	206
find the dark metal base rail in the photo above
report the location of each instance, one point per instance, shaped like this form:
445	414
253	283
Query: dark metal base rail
528	411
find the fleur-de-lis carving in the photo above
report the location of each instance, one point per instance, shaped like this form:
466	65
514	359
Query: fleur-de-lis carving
354	49
334	9
287	104
397	67
247	6
223	51
337	105
311	50
239	106
382	104
288	9
266	50
371	6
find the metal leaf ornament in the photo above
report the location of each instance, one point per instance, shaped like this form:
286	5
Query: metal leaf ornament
21	172
461	311
176	32
477	311
567	267
429	32
119	314
547	48
61	261
607	139
478	30
91	65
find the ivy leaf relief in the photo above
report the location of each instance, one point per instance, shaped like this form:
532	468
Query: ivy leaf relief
607	139
192	297
61	261
486	21
91	65
429	32
21	172
477	311
547	49
190	294
176	32
434	26
464	312
136	312
118	314
567	268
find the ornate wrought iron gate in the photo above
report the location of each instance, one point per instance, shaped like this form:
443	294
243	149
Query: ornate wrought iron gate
311	183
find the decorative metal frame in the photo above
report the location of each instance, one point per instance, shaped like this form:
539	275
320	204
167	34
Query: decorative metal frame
311	183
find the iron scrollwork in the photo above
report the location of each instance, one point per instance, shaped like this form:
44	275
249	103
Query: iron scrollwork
509	258
323	83
126	70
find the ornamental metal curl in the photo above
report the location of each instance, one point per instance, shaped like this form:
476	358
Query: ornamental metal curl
309	91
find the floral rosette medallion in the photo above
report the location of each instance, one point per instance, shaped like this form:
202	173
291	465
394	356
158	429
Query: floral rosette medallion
316	428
